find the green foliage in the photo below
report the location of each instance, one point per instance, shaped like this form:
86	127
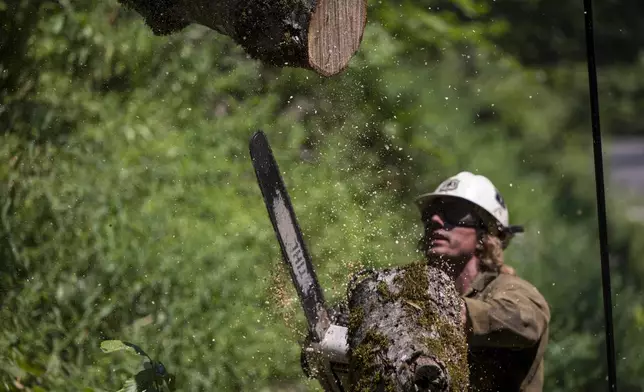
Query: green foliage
128	204
154	376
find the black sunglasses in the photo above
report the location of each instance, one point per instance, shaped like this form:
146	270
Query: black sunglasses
453	213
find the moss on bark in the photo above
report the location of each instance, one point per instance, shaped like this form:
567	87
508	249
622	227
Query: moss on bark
446	341
366	365
399	315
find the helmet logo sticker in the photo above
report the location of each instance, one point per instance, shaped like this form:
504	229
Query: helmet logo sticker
449	185
499	199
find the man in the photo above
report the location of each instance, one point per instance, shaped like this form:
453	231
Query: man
505	318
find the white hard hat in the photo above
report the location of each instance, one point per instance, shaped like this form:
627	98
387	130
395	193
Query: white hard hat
478	190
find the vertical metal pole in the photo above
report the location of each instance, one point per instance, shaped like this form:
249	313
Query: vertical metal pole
601	201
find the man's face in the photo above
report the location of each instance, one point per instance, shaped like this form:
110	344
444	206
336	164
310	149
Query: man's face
450	231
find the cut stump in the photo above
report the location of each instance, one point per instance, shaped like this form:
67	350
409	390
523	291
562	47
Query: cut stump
320	35
405	332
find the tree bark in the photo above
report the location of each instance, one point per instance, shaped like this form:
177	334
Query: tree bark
405	332
322	35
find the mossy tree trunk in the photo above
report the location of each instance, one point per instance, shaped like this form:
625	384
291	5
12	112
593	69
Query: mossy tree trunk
405	332
322	35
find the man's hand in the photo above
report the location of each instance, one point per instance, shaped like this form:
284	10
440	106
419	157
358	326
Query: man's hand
339	314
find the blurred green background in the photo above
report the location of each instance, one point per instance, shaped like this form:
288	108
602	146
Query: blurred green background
129	207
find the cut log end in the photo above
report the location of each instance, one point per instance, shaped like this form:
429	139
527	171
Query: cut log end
335	33
321	35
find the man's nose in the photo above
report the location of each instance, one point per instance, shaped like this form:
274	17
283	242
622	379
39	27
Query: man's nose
438	220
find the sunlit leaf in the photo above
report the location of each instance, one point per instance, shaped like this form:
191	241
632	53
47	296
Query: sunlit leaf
108	346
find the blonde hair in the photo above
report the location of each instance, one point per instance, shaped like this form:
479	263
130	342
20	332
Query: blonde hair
490	253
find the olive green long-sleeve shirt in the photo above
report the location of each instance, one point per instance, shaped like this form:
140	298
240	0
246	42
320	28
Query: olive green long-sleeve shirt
507	331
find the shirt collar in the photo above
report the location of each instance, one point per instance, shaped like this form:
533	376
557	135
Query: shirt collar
480	282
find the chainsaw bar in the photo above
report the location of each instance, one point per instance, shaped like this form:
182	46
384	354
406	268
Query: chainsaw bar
289	235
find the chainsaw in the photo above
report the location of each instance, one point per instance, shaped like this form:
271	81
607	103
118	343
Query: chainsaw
325	352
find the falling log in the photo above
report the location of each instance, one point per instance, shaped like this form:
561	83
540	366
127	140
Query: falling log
405	332
322	35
